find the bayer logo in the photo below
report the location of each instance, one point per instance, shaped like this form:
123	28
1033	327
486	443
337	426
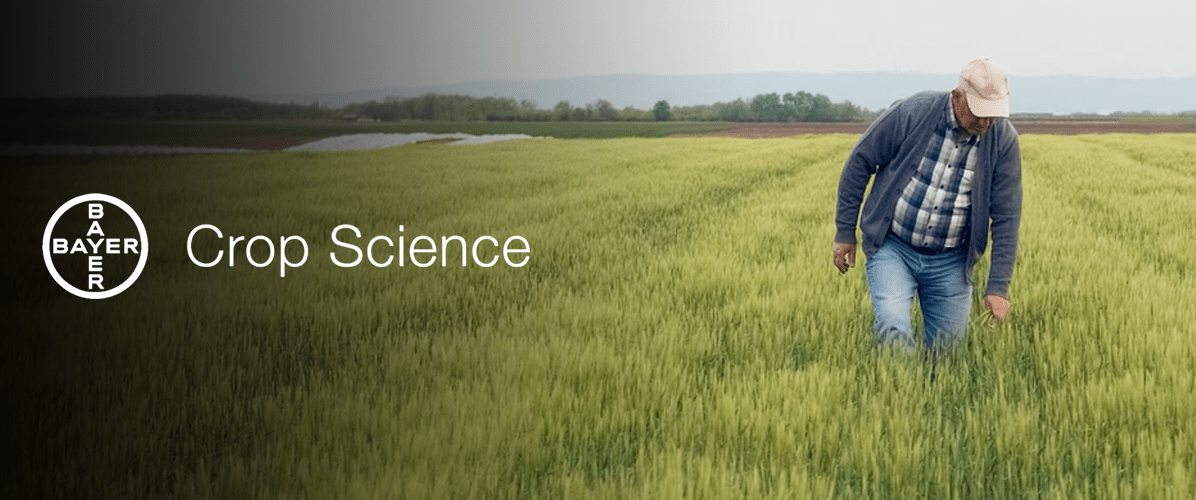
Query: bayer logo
95	246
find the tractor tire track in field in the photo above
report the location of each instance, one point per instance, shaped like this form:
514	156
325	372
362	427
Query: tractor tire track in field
668	226
1182	161
1114	217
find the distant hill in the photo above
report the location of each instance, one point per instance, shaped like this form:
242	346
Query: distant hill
872	90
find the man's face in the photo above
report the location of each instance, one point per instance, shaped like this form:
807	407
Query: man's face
973	124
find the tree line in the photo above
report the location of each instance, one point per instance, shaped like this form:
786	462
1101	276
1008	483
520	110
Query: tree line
446	107
800	106
772	107
161	107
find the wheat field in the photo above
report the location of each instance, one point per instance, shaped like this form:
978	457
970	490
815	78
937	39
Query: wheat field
678	331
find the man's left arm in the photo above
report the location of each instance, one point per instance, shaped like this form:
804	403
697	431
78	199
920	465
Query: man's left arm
1005	212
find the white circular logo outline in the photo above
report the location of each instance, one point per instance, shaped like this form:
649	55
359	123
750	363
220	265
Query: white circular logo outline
71	204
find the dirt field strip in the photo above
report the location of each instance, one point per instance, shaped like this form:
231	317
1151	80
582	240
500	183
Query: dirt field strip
1053	127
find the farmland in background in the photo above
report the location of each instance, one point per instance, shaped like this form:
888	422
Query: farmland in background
277	135
678	331
281	134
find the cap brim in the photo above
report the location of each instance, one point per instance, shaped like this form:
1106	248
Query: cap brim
988	108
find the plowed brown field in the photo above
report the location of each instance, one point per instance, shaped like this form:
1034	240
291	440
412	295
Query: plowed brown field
1057	127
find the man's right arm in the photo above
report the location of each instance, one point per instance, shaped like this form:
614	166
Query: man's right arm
876	147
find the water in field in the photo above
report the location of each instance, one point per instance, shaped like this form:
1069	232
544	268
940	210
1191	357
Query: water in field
344	142
678	330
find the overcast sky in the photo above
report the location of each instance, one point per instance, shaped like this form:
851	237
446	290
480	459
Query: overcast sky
248	47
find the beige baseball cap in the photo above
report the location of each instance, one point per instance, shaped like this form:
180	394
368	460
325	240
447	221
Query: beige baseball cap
986	86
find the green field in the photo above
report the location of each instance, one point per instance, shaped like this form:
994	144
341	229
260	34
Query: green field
679	331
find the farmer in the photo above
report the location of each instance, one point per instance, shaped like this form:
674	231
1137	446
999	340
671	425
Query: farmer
947	164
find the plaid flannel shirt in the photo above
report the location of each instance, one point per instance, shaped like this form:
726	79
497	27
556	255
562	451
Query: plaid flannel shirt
932	213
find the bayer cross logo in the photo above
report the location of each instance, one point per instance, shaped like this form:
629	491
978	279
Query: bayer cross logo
92	259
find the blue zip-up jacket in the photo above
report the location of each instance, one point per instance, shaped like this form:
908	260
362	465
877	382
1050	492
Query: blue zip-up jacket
892	148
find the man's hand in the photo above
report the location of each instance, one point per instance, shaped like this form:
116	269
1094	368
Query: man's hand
998	306
844	256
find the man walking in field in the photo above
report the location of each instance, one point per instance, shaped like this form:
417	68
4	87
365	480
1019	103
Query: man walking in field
946	165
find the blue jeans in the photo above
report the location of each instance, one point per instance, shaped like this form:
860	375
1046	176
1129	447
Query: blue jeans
895	273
